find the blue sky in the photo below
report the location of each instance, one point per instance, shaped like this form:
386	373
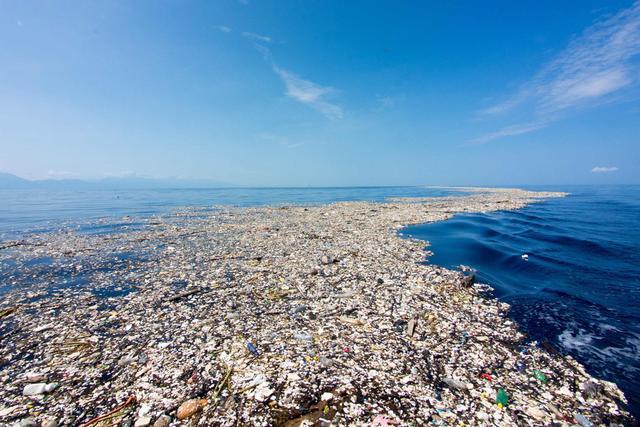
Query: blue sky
297	93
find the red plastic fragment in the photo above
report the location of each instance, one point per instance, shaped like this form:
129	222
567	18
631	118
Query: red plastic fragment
486	376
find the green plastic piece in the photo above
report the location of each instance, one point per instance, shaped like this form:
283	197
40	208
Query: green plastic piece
502	398
539	376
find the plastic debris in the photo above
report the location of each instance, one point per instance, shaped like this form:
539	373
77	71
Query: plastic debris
411	326
39	388
178	307
382	421
252	348
502	398
455	384
303	336
582	420
537	374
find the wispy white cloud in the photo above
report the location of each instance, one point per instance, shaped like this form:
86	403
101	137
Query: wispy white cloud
256	37
309	93
593	69
512	130
604	169
507	105
304	91
265	52
223	28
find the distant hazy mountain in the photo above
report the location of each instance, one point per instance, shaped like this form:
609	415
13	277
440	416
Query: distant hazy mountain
9	181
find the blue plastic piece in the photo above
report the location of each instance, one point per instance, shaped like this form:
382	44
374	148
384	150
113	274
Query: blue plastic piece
252	348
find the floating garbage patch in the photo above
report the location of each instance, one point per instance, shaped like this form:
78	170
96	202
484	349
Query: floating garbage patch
288	315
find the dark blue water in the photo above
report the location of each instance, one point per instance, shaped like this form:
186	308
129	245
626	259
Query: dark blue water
42	210
580	287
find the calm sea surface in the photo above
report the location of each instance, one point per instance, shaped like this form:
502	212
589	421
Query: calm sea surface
580	287
42	210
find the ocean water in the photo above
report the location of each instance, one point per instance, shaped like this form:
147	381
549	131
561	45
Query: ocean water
579	290
23	211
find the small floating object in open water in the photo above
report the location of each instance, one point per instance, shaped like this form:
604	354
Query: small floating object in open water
525	257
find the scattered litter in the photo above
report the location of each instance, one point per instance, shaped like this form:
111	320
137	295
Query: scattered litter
267	316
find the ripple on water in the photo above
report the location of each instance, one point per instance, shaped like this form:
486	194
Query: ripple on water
579	289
